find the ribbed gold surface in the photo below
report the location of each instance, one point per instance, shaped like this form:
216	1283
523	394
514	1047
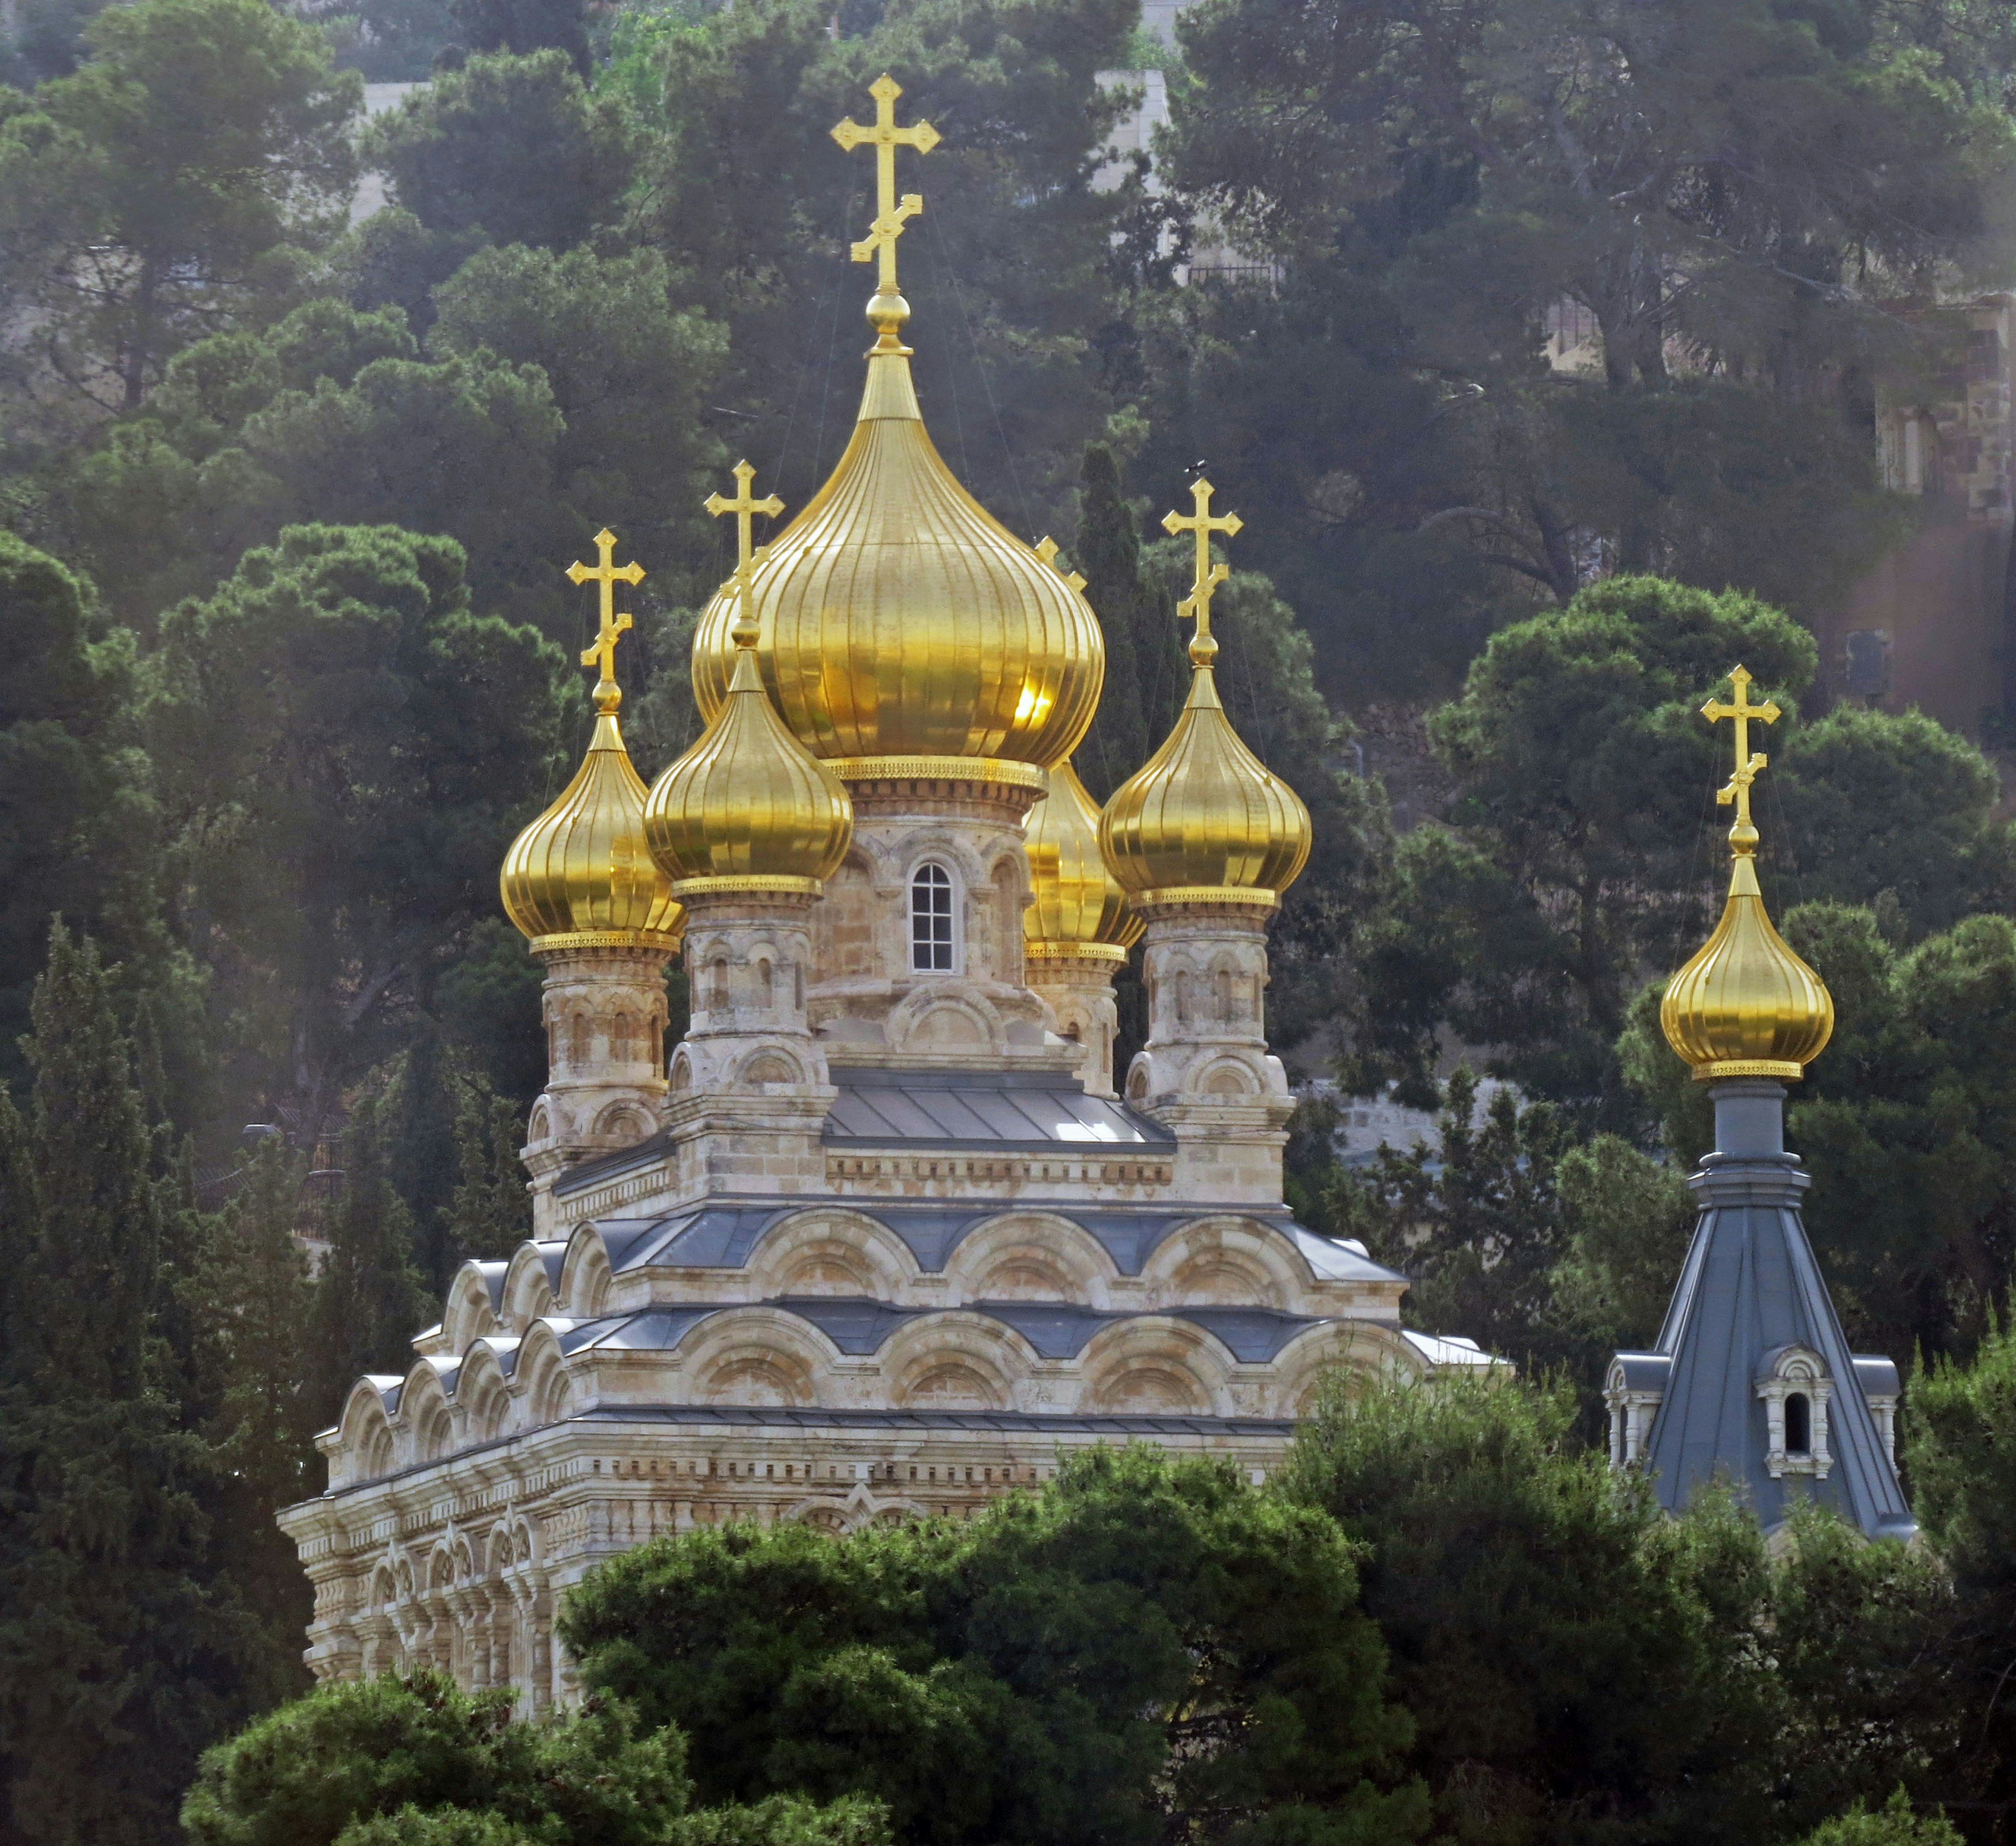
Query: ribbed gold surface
898	619
583	866
746	801
1076	899
1746	1005
1203	810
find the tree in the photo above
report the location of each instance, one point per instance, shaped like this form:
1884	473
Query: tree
164	176
629	374
306	1774
121	1650
82	836
1476	1219
491	1213
1672	169
524	26
1572	1662
1958	1441
370	1299
351	750
257	1300
515	147
1008	271
1146	1648
1895	1823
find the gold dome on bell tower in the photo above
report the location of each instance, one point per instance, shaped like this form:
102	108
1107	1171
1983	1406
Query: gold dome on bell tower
1203	819
900	625
581	873
1745	1005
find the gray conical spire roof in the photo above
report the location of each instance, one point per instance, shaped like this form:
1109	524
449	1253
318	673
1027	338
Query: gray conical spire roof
1752	1327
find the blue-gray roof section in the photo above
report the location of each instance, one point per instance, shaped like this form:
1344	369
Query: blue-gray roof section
1751	1288
722	1234
859	1326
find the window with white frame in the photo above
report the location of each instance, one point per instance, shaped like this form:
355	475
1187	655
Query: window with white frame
934	913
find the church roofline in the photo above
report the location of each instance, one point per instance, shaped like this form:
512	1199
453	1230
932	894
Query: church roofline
723	1232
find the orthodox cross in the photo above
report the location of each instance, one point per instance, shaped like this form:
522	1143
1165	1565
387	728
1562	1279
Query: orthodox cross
745	508
1047	549
1747	762
606	576
885	138
1207	576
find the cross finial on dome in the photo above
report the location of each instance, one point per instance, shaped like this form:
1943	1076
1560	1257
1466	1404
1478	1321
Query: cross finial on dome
888	311
1206	576
1743	835
745	507
609	626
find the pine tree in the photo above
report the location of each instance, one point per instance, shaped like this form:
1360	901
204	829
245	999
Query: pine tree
120	1649
491	1213
369	1301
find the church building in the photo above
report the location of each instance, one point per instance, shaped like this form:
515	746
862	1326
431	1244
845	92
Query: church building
880	1238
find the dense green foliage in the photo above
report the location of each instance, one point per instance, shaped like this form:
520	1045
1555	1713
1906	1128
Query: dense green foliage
284	503
1148	1646
419	1764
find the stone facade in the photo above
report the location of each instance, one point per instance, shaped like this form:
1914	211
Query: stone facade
881	1245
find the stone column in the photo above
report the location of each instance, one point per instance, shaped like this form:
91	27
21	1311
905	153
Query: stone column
604	1010
1205	1072
749	1087
1076	979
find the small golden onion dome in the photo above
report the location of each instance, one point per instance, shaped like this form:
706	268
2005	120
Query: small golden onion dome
747	803
1203	814
582	871
1746	1005
897	619
1078	909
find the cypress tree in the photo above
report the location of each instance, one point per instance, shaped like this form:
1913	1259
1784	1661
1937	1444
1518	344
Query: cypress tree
369	1301
120	1647
492	1212
258	1297
1145	679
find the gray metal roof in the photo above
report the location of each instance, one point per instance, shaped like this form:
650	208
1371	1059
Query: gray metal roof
1751	1287
994	1111
721	1233
1002	1112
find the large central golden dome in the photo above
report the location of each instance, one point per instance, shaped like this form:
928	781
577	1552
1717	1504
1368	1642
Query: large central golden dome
898	619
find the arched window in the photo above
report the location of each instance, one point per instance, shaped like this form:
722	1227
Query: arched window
931	919
1799	1424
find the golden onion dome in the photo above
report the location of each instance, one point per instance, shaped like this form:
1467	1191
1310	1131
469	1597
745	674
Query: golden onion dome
747	803
1745	1005
582	871
1204	817
1078	909
897	619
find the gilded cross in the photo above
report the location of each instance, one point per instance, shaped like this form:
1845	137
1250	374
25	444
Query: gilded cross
1206	576
1047	549
745	507
606	576
885	138
1747	762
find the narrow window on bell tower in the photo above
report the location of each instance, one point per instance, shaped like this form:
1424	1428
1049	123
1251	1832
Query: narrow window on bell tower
931	917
